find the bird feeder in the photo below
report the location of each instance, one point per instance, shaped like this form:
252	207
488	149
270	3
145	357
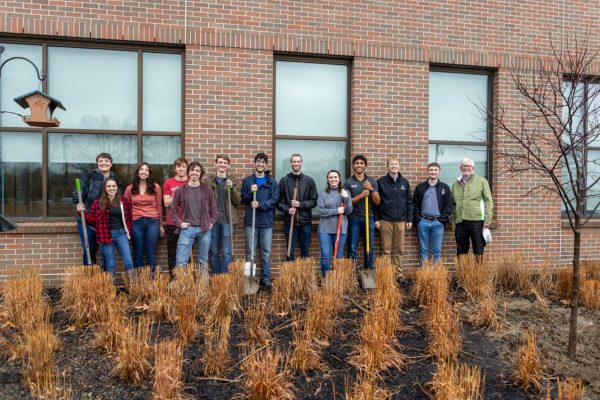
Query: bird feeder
42	107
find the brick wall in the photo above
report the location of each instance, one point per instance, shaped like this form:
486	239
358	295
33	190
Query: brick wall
230	46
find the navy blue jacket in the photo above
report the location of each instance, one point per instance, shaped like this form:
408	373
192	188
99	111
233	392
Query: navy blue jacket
267	196
444	199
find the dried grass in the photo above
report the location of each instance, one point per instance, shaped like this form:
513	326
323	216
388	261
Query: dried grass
590	291
110	332
431	281
86	295
570	389
134	351
296	282
512	273
528	367
256	324
367	387
266	377
453	381
473	276
168	362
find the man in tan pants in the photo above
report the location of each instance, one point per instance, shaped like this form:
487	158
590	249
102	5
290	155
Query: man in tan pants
395	212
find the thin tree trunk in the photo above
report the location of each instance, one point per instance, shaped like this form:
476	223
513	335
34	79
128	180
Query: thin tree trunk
572	350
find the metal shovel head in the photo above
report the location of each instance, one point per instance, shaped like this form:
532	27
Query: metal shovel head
251	284
367	277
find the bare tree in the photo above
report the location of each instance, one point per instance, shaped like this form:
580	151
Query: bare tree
552	137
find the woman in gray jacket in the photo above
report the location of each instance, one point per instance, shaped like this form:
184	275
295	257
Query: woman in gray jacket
333	206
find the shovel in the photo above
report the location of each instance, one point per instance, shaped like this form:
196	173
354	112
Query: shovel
83	226
367	276
251	285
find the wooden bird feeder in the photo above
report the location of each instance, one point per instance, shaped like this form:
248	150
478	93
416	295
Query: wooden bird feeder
42	107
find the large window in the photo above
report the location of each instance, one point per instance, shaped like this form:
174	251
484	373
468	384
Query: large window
458	103
311	115
124	101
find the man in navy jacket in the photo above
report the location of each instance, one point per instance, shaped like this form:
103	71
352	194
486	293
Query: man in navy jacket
267	194
433	206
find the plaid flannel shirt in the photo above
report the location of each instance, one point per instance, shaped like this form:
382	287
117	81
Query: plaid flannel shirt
99	218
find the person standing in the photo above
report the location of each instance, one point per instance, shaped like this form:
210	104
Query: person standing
395	212
169	187
91	189
360	186
194	211
111	215
145	197
333	206
433	205
300	207
221	183
265	187
473	209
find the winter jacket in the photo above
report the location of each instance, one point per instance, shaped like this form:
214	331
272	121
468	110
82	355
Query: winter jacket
179	204
473	202
91	188
396	200
100	220
307	196
327	207
444	200
236	197
267	196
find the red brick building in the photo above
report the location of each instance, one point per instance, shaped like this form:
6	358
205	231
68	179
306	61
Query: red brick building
154	80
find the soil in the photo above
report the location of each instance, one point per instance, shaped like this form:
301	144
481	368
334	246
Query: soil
89	370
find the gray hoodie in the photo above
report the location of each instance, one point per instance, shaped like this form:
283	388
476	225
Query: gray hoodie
327	207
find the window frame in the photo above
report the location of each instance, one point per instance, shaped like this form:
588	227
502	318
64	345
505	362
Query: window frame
346	61
489	143
139	132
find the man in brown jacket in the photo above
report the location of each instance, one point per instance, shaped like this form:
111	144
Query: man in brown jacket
227	193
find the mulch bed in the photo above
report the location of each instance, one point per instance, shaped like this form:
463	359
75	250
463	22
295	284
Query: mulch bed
89	370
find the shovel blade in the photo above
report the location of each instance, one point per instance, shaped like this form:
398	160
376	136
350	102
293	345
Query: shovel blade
367	277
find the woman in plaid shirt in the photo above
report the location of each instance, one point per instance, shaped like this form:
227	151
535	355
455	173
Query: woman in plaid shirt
111	216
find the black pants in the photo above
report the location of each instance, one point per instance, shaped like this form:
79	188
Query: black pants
469	231
172	239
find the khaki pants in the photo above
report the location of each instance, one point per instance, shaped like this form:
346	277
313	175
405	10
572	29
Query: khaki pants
392	242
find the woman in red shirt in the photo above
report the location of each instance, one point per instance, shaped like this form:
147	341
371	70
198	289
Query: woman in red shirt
146	205
111	216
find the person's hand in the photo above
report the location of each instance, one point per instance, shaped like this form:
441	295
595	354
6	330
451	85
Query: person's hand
341	210
254	188
80	207
367	185
292	211
184	225
229	183
377	225
295	203
344	193
254	204
408	225
162	231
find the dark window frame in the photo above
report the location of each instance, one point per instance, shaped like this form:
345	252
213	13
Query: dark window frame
139	132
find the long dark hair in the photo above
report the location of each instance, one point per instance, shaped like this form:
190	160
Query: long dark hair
135	185
104	200
339	186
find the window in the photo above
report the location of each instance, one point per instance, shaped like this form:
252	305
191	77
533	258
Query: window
457	102
311	115
586	124
125	101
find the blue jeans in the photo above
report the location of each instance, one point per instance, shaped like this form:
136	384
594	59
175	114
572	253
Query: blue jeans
300	231
146	232
121	243
187	238
431	234
221	234
356	230
91	234
265	236
327	241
